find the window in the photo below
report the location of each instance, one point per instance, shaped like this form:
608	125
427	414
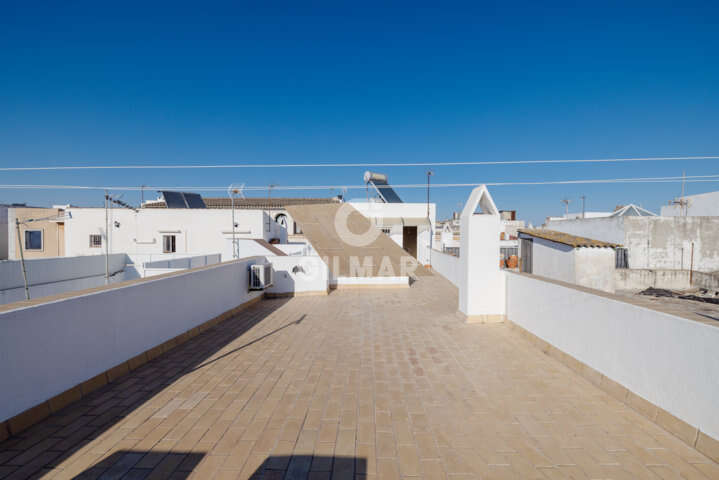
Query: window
622	258
297	229
33	239
169	244
95	241
386	230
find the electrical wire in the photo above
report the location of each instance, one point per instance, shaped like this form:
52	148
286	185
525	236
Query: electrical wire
688	179
355	165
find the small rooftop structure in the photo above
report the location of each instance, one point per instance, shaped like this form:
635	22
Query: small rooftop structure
567	239
632	210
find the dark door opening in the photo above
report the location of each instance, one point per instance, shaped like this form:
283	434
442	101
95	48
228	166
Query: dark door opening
526	251
409	240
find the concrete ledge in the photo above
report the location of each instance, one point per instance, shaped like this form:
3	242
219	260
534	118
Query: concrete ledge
313	293
689	434
36	414
355	286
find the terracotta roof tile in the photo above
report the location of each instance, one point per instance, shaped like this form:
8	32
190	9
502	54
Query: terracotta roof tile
567	239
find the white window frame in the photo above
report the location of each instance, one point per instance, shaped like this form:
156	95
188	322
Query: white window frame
42	240
92	244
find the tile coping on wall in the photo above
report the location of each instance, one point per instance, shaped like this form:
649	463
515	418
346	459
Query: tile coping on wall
33	415
689	434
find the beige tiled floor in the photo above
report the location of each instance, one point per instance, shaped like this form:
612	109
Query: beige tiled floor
370	384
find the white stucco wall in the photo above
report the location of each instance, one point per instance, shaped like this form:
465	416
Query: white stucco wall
446	265
311	274
51	276
553	260
655	242
64	343
197	231
595	267
702	205
668	360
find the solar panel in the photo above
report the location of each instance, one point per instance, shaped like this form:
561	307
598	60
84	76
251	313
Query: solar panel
194	200
389	195
174	199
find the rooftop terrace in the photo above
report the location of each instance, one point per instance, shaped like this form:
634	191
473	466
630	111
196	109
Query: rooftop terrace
357	384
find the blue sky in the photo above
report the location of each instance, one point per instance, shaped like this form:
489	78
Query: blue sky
244	83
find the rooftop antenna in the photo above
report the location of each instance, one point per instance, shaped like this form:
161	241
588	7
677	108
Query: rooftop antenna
583	197
269	213
233	191
566	203
682	202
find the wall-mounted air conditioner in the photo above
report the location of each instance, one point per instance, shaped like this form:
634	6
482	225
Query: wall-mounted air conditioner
260	276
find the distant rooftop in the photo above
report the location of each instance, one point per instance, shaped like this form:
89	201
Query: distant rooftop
567	239
251	203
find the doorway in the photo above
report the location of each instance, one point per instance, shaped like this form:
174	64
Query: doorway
409	240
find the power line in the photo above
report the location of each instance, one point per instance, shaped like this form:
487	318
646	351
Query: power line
364	165
692	178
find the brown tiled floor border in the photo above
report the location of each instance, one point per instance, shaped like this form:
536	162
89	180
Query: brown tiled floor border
689	434
32	416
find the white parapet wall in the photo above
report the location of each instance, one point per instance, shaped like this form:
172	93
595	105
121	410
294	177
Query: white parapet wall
51	276
159	267
446	265
667	360
51	347
298	275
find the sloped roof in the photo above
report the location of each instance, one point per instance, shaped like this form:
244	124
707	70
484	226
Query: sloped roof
319	227
252	203
567	239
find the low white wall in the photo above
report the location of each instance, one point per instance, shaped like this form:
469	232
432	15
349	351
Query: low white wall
298	274
446	265
57	269
639	279
295	249
668	360
52	347
186	262
45	290
51	276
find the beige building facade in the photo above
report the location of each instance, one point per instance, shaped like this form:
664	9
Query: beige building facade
42	233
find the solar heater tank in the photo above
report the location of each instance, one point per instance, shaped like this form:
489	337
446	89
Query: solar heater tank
374	177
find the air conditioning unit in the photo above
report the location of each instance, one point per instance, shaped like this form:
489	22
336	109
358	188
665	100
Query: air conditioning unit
260	276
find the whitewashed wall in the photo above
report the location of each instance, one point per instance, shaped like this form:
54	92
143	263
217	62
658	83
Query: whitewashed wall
668	360
553	260
51	276
446	265
64	343
654	242
197	231
311	275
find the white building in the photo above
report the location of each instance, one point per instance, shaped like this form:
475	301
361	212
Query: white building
701	205
408	224
150	233
568	258
652	242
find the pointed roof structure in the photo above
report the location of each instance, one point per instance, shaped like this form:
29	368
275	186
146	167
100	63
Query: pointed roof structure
632	210
481	198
